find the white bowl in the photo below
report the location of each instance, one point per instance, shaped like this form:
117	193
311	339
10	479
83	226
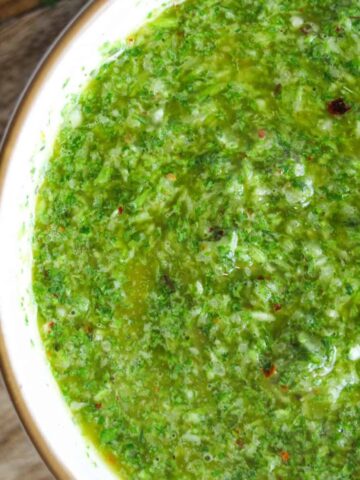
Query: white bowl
25	152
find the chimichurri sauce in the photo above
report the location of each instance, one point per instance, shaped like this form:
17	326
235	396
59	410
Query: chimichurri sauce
197	245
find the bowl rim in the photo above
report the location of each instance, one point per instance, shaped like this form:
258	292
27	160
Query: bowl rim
55	465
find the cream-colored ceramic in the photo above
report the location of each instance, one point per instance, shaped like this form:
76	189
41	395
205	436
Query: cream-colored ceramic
24	155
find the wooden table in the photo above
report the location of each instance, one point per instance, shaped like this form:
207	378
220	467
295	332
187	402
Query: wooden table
27	28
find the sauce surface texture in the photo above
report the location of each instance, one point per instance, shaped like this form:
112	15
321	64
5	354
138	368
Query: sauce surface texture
197	246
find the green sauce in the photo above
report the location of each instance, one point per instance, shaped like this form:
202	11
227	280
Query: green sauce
197	246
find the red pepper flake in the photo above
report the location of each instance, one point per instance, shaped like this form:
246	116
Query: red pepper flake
310	158
262	133
169	283
269	372
98	406
277	89
216	233
48	327
306	29
120	210
277	307
88	328
284	388
239	443
285	456
338	107
111	458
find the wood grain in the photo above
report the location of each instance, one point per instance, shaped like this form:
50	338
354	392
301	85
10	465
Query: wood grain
18	458
12	8
23	41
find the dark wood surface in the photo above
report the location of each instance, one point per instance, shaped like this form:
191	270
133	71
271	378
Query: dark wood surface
27	29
